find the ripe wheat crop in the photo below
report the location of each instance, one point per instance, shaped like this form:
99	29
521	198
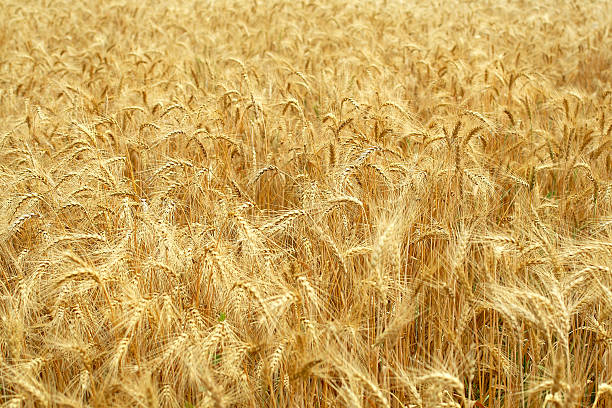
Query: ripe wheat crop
309	203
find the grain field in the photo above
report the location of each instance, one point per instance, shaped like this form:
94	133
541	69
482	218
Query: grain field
306	203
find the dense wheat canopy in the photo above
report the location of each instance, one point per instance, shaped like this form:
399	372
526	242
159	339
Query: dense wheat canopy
310	203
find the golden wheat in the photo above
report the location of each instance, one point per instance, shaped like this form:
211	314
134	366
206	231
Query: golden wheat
382	203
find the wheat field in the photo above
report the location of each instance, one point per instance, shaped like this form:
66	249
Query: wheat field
306	203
